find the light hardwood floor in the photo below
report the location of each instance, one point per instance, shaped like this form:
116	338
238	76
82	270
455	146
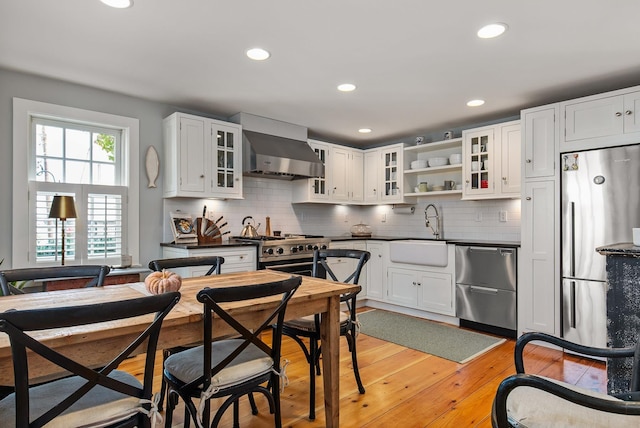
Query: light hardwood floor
406	388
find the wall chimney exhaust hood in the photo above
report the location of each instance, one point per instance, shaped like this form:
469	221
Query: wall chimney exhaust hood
274	149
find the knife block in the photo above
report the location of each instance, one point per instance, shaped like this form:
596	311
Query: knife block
204	239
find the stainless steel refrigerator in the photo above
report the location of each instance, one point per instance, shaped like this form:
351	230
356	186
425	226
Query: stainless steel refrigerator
600	206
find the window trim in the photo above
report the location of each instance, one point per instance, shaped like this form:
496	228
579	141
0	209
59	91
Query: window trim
23	111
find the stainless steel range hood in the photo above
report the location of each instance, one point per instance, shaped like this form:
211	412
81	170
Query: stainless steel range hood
274	149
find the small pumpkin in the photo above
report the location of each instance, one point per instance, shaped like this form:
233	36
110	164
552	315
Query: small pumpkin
163	282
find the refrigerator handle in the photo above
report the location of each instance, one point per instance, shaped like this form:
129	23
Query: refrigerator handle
573	304
572	263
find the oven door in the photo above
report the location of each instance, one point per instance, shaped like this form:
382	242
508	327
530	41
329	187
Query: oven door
302	267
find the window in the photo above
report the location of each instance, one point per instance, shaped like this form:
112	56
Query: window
84	154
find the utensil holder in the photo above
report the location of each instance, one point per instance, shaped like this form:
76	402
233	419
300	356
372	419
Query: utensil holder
204	239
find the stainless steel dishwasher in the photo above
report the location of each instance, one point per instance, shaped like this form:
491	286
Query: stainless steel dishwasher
486	288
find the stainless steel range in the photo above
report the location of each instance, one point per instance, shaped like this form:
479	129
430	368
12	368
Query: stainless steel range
291	253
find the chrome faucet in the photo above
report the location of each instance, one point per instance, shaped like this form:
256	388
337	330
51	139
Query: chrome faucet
427	221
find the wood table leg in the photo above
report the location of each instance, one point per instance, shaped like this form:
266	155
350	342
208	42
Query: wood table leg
330	335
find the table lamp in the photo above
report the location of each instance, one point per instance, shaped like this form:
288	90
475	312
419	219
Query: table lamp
62	208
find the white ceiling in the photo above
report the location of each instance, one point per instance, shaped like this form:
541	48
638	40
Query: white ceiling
415	62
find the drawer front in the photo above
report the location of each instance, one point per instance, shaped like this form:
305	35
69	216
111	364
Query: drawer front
485	305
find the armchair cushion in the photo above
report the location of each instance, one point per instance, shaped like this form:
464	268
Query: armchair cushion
524	406
252	362
100	407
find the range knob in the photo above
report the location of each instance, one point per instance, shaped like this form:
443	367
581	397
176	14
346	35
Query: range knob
315	247
310	247
294	249
269	251
323	247
300	247
279	250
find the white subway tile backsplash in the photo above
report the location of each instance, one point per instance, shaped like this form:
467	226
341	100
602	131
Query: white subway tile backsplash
270	197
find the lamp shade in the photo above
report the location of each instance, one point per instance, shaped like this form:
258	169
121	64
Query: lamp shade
62	207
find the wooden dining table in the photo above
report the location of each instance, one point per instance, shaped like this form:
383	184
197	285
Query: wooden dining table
97	344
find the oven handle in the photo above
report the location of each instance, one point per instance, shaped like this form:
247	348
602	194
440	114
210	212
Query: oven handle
275	267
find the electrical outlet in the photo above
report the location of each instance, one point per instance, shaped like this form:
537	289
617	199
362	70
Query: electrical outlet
503	216
383	217
346	218
210	215
478	216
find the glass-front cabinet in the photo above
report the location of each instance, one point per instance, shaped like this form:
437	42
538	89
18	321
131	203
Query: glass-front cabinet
479	159
392	173
226	154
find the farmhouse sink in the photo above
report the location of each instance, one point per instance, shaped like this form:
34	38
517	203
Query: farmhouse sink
419	252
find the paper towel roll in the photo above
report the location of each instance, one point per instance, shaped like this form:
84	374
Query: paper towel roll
404	209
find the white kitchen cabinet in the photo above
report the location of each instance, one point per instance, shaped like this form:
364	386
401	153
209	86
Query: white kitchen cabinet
384	179
433	176
491	161
315	189
539	274
346	174
376	269
421	289
236	259
202	157
610	118
540	133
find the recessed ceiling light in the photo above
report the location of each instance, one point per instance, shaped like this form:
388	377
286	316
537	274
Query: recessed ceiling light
119	4
492	30
475	103
347	87
258	54
364	130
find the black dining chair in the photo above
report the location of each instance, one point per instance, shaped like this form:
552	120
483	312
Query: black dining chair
309	326
95	275
527	400
214	264
90	396
231	367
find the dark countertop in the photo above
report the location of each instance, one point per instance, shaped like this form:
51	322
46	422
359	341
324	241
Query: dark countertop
458	241
225	244
621	249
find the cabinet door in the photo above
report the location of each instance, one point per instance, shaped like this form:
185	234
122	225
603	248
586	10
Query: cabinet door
338	164
392	174
538	295
437	292
479	159
193	159
356	176
597	118
402	287
372	176
632	112
375	270
540	130
319	186
226	157
510	149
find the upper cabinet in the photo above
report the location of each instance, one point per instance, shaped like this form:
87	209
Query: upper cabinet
491	161
540	129
605	119
202	157
430	167
343	176
384	180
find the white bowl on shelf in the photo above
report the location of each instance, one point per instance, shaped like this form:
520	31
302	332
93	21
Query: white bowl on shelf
437	188
455	159
438	161
417	164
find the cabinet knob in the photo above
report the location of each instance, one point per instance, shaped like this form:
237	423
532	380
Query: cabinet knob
504	178
467	181
414	283
628	112
201	175
528	160
528	198
618	114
